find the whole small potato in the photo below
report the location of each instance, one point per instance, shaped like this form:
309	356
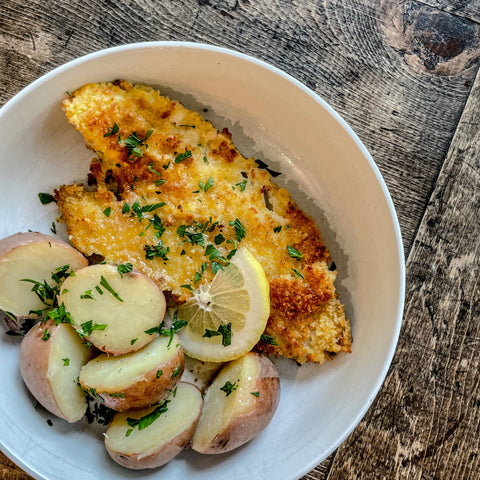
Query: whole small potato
238	404
51	357
151	437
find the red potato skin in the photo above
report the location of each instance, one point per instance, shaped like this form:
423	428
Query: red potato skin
160	457
246	427
145	392
25	238
34	354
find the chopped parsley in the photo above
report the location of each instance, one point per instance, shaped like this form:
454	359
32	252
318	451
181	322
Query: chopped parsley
268	340
239	229
152	251
46	334
229	387
219	239
151	169
206	186
147	420
112	131
241	185
87	295
66	362
294	253
224	330
297	273
89	327
134	143
159	373
183	156
107	211
104	283
46	198
177	371
255	394
133	340
124	268
277	229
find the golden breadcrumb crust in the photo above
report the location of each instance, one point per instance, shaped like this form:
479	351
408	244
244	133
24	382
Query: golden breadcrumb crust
173	196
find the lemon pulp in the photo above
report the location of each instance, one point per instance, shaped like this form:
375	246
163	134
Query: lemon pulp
226	317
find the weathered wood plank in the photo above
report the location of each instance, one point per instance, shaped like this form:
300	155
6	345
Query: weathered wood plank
463	8
425	422
383	65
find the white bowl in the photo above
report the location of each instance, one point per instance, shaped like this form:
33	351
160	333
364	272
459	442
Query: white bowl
329	173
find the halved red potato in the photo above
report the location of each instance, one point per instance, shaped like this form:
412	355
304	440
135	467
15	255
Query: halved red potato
138	379
32	256
51	357
151	437
200	373
238	404
114	311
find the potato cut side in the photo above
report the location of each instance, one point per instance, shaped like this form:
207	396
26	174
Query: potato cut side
32	256
51	357
238	404
113	311
138	379
134	444
200	373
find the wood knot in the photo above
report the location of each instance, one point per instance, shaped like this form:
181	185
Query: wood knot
431	40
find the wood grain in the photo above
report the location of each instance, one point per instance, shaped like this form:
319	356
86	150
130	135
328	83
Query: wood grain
427	418
400	73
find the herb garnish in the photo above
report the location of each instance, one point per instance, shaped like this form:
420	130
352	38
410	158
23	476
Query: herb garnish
46	198
66	362
46	334
224	330
206	186
147	420
297	273
229	387
183	156
124	268
87	295
89	327
294	253
104	283
113	131
152	251
239	229
268	340
107	211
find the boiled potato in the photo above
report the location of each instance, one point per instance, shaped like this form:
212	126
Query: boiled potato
138	379
115	312
200	373
32	256
238	404
50	360
151	437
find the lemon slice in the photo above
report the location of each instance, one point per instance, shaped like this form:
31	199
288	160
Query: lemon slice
226	317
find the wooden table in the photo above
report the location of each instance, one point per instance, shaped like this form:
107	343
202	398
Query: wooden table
404	74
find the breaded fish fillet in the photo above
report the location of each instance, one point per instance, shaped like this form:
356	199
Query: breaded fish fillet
173	196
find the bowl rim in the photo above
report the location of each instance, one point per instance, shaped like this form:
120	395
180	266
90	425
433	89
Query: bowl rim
172	44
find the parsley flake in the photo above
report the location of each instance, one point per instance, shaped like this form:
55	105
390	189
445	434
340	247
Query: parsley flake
229	387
